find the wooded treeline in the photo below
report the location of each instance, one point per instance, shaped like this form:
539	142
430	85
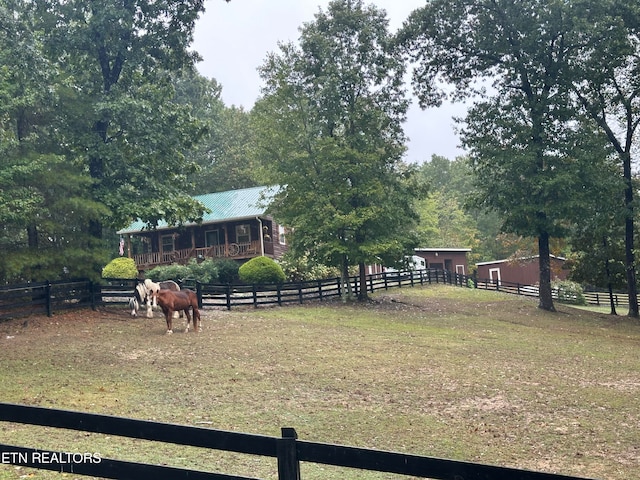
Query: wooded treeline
104	119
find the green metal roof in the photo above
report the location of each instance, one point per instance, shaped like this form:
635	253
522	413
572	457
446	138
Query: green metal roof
223	206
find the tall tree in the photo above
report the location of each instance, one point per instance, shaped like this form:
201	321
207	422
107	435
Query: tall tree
526	147
123	126
605	79
329	125
42	206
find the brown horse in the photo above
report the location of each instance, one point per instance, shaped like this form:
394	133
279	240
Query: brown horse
182	300
145	294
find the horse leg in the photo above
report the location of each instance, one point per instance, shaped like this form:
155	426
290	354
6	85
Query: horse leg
168	314
197	323
149	310
186	311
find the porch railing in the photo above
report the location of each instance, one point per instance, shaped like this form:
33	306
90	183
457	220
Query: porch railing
231	250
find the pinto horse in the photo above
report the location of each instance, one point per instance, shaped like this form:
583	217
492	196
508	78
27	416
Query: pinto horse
145	293
182	300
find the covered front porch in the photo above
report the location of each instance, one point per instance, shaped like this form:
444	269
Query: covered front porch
238	240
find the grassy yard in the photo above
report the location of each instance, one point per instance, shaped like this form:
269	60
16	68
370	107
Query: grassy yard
439	371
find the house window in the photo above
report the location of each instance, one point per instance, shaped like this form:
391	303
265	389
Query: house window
281	236
168	243
460	269
211	238
243	233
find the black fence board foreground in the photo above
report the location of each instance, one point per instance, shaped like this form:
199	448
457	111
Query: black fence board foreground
288	450
43	298
106	467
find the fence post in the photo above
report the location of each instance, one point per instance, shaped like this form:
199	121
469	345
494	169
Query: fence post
47	292
254	291
279	289
228	294
199	293
475	279
320	289
92	293
288	464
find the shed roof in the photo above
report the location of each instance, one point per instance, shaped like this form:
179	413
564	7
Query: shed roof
444	249
222	206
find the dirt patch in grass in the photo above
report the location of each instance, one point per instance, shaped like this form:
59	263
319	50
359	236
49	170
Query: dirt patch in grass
440	371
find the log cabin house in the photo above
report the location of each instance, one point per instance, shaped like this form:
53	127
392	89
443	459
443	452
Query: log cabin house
236	227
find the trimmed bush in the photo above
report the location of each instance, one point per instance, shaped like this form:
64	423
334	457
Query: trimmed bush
261	270
121	267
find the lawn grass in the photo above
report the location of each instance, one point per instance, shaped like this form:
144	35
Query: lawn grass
437	370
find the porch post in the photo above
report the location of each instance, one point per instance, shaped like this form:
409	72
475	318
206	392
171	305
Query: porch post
261	235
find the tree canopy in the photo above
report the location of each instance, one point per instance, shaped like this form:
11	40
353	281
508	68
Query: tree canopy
329	128
528	147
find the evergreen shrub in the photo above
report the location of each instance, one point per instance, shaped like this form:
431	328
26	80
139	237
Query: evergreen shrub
261	270
121	267
227	270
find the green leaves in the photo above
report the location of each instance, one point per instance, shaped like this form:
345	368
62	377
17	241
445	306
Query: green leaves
329	126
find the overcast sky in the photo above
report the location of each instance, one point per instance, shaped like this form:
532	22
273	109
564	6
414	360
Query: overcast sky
234	39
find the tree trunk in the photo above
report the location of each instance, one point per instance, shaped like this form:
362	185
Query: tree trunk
632	288
347	291
362	291
32	235
546	300
607	270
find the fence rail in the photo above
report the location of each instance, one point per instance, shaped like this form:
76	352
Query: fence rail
45	298
287	450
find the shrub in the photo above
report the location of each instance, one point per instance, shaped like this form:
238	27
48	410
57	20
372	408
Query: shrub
120	267
569	292
227	270
299	269
261	270
203	272
169	272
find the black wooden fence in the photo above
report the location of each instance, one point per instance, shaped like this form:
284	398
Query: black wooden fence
40	298
49	297
288	451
